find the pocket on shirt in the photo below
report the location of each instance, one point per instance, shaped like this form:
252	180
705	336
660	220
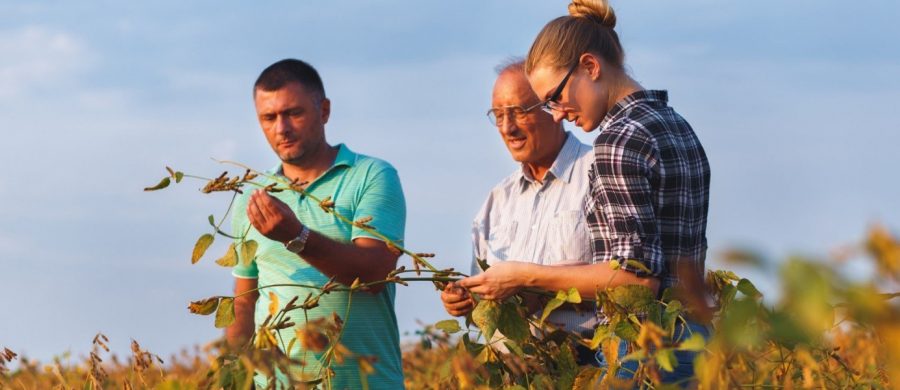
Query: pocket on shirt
568	238
500	240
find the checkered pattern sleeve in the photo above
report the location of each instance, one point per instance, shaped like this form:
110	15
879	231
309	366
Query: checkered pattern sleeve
621	213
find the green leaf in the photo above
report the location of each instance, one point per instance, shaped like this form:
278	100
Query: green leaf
230	257
179	176
162	184
694	343
486	315
201	246
212	220
626	330
482	264
248	251
449	326
512	324
747	288
552	305
225	313
631	263
568	369
632	296
666	359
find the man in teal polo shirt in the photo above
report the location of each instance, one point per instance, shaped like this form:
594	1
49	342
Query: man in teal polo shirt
301	244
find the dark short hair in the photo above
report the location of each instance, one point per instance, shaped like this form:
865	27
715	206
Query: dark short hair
290	70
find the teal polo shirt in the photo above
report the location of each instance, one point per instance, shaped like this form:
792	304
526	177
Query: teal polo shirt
360	186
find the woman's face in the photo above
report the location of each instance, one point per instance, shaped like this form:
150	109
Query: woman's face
581	100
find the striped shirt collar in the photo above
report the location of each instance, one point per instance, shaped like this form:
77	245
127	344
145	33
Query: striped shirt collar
562	167
642	96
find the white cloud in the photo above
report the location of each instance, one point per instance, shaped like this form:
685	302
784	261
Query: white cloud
35	56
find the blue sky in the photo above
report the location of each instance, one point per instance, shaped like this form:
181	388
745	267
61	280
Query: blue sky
795	103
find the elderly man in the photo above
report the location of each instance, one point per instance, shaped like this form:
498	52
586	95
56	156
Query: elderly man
301	244
535	215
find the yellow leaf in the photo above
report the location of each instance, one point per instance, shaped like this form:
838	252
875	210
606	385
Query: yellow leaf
248	251
230	257
201	246
273	303
204	307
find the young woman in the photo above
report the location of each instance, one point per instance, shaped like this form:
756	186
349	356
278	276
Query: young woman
650	176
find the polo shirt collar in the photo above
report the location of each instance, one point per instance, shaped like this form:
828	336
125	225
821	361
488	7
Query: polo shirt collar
562	167
345	157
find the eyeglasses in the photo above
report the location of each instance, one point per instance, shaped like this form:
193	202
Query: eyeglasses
498	116
551	104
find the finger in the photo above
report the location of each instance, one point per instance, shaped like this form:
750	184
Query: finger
458	305
255	216
472	281
265	204
453	298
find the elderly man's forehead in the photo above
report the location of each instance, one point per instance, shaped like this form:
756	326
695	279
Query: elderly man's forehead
513	81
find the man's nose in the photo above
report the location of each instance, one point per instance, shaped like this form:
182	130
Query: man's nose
282	125
508	126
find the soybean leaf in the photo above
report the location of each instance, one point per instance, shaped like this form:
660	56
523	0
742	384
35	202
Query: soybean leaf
179	176
204	307
248	251
637	264
201	246
694	343
553	305
572	296
486	316
747	288
568	368
666	359
162	184
600	334
225	313
626	330
482	264
230	257
588	378
449	326
512	324
632	296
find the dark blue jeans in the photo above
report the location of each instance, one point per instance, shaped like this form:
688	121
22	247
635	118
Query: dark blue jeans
685	368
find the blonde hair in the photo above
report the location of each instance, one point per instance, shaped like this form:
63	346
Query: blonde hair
589	28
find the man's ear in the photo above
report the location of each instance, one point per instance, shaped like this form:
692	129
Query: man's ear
592	64
326	110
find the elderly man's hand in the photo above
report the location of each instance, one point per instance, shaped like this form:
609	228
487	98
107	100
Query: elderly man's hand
457	300
272	217
501	280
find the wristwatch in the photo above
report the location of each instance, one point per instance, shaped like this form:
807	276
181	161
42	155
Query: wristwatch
297	244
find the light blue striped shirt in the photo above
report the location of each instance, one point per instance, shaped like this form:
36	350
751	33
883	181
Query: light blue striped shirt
541	222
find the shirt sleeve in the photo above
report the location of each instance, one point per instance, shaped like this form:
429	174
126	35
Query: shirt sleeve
240	225
382	199
622	215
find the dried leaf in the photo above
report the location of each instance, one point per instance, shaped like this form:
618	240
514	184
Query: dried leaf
201	246
225	313
273	303
204	307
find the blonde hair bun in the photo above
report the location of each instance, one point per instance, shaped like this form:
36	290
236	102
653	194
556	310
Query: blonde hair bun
597	10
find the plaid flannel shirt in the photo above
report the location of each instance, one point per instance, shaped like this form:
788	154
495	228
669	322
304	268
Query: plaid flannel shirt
649	190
